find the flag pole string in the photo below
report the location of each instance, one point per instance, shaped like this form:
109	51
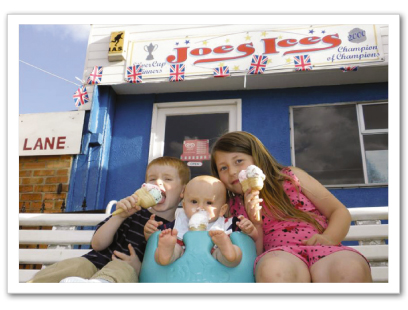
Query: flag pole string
48	72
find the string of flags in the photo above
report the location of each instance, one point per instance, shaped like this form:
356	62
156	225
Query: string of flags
134	73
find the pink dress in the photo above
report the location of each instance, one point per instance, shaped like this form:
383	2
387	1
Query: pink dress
287	235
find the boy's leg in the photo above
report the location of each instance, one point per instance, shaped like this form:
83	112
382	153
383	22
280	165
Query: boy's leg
72	267
118	271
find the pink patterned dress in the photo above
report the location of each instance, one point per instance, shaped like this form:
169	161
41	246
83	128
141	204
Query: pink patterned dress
288	235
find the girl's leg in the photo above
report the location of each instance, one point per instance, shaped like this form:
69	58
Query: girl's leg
342	266
280	266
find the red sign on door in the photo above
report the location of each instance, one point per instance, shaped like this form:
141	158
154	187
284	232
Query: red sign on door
195	150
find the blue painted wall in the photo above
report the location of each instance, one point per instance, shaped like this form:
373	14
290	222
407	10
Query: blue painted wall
265	114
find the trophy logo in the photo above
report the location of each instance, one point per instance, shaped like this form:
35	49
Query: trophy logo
150	49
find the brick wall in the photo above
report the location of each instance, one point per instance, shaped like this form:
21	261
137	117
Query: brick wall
39	179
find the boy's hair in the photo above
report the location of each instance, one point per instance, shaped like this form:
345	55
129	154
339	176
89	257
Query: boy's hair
277	201
181	166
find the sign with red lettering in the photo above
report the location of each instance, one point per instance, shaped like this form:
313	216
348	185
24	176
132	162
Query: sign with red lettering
325	45
50	133
195	151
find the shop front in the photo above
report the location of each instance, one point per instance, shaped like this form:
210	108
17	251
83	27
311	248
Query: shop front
316	96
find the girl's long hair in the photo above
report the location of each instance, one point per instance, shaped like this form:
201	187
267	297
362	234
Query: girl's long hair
277	202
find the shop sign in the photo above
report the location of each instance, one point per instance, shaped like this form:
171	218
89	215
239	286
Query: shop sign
330	45
50	133
195	152
116	46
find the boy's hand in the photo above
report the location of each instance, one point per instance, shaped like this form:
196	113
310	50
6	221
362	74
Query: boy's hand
132	259
129	206
151	227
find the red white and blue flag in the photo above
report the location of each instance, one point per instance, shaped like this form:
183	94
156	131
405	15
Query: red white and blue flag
221	71
96	76
134	74
81	96
258	64
345	69
177	72
303	63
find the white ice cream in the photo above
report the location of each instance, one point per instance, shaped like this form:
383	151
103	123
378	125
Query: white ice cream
251	171
199	218
155	191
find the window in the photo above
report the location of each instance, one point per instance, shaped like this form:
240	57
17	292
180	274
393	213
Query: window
342	144
187	130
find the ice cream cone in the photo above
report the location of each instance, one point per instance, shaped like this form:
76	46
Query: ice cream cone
254	183
147	196
199	221
144	199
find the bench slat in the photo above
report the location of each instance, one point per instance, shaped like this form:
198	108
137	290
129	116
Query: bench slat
57	219
378	252
369	213
26	274
56	236
48	256
379	274
367	232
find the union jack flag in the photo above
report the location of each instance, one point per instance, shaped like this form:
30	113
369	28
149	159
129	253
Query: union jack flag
134	74
177	73
345	69
221	71
258	64
96	76
81	96
303	63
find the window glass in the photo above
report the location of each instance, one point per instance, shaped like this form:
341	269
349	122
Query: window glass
375	116
327	143
180	128
376	153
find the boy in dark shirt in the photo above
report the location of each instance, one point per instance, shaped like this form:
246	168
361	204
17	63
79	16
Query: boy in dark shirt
119	243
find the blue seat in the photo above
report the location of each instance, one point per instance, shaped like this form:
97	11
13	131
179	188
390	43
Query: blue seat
197	265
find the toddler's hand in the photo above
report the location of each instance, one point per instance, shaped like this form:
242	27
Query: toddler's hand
151	227
245	225
318	240
132	259
252	205
129	206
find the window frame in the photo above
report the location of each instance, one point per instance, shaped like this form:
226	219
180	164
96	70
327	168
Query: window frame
362	131
161	110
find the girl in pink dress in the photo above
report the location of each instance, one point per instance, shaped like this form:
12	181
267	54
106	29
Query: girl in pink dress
302	223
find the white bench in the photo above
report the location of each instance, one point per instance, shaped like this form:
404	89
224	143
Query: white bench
60	240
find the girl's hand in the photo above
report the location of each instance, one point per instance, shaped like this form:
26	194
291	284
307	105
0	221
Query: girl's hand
151	227
132	259
252	205
318	240
129	206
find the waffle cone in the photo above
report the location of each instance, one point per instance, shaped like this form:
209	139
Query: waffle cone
145	200
254	183
201	227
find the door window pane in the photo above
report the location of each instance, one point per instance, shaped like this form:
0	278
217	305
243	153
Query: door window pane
180	128
375	116
327	143
376	152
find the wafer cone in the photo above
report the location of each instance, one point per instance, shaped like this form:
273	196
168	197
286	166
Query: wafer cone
254	184
144	199
201	227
